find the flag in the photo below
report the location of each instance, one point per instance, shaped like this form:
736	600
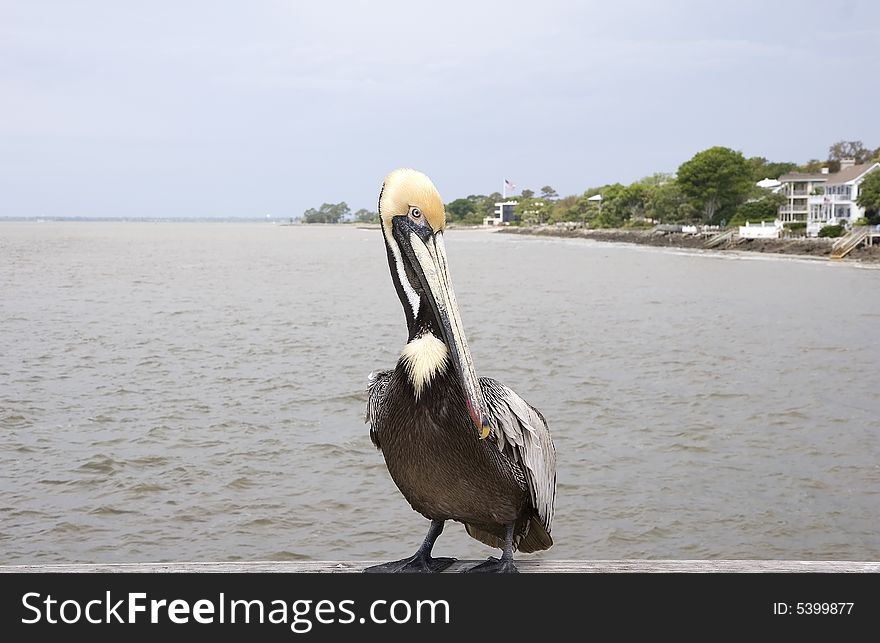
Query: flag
508	184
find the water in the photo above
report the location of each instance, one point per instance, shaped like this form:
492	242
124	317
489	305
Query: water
174	391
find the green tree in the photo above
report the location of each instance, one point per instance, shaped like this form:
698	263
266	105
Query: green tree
327	213
549	193
762	169
366	216
565	209
656	179
486	205
813	166
471	209
667	203
715	180
613	210
869	197
461	209
765	208
527	194
633	201
534	210
775	170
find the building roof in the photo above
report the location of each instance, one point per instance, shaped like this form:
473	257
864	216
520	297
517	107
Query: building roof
845	175
850	173
791	177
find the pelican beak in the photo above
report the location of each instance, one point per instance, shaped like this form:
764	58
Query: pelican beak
429	258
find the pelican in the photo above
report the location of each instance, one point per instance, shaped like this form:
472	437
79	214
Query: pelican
458	448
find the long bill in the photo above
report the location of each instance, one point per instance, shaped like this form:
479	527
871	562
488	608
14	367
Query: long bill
434	269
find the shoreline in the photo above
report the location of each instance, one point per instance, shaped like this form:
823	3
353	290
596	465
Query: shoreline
802	248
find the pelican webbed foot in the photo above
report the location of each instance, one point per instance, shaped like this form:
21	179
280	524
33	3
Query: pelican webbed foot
415	564
493	566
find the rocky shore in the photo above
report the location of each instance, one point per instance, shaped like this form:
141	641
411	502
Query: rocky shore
814	248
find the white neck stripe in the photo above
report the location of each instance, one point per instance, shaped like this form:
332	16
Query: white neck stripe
411	295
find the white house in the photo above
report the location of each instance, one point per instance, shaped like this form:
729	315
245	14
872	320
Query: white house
505	212
835	201
797	188
824	198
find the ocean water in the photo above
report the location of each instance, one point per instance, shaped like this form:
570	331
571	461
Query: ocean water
194	391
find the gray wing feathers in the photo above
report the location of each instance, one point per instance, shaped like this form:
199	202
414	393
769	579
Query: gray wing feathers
517	423
377	385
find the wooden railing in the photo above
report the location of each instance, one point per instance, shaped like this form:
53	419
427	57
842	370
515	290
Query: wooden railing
526	566
720	238
849	242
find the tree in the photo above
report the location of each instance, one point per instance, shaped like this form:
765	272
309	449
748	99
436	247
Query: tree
850	150
533	210
668	204
633	201
715	181
656	179
549	193
775	170
366	216
527	194
461	209
486	205
813	166
765	208
869	197
565	209
762	169
612	210
327	213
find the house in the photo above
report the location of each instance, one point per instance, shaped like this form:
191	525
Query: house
505	212
835	201
824	198
797	188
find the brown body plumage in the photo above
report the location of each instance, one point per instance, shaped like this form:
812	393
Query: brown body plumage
446	474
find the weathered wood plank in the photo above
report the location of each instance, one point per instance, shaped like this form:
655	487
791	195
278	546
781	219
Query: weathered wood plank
526	566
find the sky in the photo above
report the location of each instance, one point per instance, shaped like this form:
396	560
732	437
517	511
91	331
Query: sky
269	107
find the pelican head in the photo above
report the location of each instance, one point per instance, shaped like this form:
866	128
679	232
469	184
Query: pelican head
413	219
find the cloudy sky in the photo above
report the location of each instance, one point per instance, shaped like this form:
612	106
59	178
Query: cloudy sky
207	108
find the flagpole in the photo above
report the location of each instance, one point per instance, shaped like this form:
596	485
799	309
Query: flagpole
504	190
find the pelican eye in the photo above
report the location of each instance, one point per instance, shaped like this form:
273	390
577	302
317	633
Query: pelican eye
414	212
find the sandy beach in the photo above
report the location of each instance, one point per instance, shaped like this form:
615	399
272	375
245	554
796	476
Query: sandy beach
801	247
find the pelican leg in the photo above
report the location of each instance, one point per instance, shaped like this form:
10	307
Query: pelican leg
421	561
504	565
